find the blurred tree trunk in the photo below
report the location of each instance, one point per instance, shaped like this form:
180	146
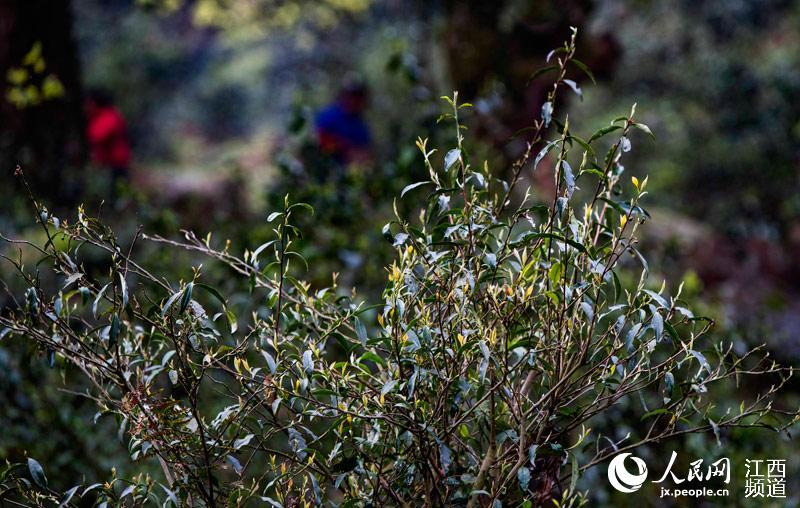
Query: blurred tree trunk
46	139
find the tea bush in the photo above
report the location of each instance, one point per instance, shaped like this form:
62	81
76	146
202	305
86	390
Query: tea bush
507	333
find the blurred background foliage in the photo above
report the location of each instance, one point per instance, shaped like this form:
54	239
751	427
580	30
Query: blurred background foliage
220	98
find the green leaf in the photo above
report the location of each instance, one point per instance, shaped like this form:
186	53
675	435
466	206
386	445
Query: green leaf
585	68
602	132
575	87
644	128
569	178
671	331
68	496
123	288
586	146
271	502
128	491
669	384
85	294
451	158
523	238
641	258
212	291
658	298
372	357
169	303
187	297
302	205
543	152
239	443
387	232
541	72
658	325
113	332
547	113
171	496
37	473
532	454
653	413
271	364
701	360
413	186
361	331
573	479
317	490
388	386
234	462
97	300
524	478
71	279
232	323
715	428
308	362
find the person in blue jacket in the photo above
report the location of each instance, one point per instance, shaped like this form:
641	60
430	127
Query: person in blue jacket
341	130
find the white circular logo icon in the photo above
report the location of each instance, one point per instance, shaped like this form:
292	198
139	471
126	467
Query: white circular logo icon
621	479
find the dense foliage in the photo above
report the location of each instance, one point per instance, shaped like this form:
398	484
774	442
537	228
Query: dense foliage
725	107
506	334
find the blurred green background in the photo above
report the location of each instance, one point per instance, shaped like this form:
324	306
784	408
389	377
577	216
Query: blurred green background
220	97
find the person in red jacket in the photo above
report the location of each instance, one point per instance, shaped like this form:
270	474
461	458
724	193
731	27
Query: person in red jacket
107	134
